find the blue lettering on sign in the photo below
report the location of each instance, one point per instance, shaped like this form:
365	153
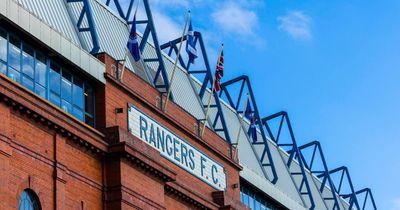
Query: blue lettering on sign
169	149
160	139
191	157
213	171
202	162
176	149
152	137
176	142
184	154
143	127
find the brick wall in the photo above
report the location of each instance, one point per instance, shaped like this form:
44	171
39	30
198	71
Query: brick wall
71	166
132	89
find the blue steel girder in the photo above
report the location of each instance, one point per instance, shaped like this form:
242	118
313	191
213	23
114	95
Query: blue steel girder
91	28
171	47
368	194
266	157
123	14
294	153
352	196
149	30
315	146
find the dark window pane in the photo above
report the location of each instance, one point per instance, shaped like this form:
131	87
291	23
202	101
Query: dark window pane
89	99
89	120
78	113
66	86
78	93
40	90
27	60
27	82
67	107
14	75
3	45
55	78
3	68
257	205
55	99
15	53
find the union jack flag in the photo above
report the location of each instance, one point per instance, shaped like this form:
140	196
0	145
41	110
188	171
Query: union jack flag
219	73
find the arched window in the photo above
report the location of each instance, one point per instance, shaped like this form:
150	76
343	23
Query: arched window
29	201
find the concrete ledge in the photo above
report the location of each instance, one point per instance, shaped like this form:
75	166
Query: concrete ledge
264	185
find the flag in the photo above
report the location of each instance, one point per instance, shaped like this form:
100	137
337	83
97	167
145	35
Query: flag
219	73
190	46
252	132
133	44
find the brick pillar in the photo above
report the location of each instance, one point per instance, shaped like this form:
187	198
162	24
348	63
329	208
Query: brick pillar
5	154
59	172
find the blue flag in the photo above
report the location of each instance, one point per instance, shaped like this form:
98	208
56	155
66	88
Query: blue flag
252	132
190	46
133	44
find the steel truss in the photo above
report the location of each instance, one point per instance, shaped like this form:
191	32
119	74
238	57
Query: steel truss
294	153
368	194
266	157
352	196
218	123
91	26
149	30
317	154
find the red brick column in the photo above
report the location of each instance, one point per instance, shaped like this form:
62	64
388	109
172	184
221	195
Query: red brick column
59	172
5	154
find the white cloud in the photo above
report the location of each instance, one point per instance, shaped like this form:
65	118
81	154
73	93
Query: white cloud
167	28
396	204
296	24
233	18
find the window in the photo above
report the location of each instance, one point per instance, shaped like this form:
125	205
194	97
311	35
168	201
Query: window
40	73
89	105
28	61
254	199
15	53
3	68
55	78
36	71
14	74
29	201
78	99
3	46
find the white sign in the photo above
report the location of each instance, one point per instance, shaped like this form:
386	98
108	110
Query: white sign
176	149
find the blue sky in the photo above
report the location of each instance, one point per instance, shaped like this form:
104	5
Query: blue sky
334	66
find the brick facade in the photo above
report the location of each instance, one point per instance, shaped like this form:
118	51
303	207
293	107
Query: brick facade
70	165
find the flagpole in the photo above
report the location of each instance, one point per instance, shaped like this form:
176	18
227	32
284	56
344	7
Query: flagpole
236	144
126	52
211	94
123	66
241	119
176	62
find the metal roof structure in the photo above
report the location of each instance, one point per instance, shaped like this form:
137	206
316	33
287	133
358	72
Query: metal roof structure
296	176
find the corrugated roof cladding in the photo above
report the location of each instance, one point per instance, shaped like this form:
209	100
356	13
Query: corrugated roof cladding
55	14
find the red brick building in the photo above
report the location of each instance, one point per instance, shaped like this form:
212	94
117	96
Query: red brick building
77	132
